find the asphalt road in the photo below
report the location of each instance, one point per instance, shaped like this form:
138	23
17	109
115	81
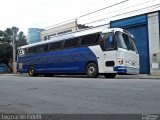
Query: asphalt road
23	94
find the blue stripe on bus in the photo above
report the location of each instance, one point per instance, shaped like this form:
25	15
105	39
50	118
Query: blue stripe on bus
62	61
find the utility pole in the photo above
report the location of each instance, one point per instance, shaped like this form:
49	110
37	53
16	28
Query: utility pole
14	51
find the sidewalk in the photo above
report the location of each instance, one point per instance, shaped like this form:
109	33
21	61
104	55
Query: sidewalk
8	74
146	76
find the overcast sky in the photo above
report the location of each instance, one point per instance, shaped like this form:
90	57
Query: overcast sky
26	14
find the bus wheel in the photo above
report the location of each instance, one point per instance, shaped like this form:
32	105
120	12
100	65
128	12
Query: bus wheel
92	70
110	75
31	71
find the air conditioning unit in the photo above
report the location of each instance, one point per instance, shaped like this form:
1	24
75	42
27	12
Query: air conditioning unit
156	57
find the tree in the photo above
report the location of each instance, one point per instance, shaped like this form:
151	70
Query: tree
6	49
6	54
21	40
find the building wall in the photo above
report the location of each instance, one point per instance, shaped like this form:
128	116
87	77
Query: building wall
34	35
48	33
154	42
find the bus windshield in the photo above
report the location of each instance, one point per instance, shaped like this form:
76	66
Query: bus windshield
125	41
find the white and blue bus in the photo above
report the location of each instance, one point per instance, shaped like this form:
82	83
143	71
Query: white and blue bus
91	52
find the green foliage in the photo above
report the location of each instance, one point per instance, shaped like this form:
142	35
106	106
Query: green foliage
21	40
6	38
5	53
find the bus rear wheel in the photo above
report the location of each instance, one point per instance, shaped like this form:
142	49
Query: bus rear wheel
92	70
110	75
31	71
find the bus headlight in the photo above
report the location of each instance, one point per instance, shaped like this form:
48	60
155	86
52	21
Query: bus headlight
120	61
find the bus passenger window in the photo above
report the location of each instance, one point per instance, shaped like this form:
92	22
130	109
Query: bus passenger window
41	48
32	49
56	45
71	43
25	50
89	39
109	42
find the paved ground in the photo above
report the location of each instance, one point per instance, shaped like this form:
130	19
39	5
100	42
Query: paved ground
23	94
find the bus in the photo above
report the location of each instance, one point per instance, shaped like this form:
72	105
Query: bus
91	52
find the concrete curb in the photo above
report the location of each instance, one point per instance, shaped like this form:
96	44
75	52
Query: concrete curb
149	77
9	74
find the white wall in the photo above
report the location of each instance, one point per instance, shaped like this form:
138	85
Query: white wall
154	41
72	26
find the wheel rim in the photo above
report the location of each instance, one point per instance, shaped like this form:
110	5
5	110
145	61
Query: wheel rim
91	70
31	71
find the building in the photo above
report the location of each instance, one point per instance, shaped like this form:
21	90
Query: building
56	30
34	35
37	35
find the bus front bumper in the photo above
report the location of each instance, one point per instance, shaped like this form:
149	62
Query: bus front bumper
126	70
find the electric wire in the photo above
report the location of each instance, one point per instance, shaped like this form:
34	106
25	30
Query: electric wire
117	10
88	13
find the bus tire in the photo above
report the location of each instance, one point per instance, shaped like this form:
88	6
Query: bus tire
31	71
110	75
92	70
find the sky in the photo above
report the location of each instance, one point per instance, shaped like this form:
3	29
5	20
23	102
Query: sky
26	14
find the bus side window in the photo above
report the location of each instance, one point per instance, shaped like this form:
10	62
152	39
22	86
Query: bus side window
101	42
42	48
109	42
32	49
25	50
89	39
71	43
56	45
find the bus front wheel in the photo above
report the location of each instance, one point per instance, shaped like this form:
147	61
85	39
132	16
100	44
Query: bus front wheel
92	70
31	71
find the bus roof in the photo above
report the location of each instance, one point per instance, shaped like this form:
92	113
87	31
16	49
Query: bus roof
103	29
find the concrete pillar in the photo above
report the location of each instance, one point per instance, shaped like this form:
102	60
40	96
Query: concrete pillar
14	64
154	43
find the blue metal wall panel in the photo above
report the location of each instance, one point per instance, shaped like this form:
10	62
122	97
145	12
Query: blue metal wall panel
159	19
141	40
138	27
132	21
159	16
